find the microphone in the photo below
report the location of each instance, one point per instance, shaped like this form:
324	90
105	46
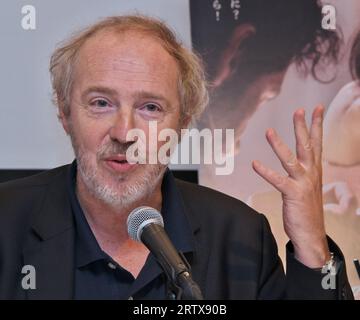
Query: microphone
146	225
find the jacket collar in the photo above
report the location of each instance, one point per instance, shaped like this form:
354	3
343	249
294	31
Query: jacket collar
50	245
176	222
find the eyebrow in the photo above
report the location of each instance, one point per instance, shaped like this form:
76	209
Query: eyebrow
99	89
150	95
137	95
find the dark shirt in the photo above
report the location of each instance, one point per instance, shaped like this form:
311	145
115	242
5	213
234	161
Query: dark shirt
98	276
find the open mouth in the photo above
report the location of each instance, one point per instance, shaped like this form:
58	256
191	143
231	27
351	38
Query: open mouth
119	164
120	161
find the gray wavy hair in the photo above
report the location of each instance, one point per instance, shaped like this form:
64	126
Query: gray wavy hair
192	84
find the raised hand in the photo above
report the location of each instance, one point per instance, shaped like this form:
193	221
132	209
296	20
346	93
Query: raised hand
303	215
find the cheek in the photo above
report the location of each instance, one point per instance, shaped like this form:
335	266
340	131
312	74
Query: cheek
89	133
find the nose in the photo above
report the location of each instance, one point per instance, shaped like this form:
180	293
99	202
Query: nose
122	123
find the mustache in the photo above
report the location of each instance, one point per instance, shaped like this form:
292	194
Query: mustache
113	148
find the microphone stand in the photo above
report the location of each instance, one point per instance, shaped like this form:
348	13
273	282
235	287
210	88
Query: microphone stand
180	282
175	265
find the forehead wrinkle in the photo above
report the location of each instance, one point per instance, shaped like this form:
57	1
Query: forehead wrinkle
107	60
141	53
122	68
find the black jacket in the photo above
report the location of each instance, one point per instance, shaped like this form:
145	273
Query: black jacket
235	251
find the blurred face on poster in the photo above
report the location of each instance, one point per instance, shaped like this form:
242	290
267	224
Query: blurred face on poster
249	50
237	109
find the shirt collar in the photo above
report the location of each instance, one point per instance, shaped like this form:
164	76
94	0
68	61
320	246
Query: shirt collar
176	223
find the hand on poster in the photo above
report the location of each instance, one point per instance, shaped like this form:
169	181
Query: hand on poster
303	215
339	199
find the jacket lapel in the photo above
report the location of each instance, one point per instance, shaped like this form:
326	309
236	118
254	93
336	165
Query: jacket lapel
50	245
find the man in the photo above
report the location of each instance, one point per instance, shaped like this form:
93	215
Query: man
69	223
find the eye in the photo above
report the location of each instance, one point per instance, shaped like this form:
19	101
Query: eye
100	103
151	107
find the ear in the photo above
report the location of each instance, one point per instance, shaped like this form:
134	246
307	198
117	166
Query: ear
239	34
64	119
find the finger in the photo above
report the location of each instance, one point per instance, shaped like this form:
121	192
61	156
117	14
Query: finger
287	158
277	180
316	132
304	148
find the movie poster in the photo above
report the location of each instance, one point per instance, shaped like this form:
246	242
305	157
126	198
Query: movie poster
265	59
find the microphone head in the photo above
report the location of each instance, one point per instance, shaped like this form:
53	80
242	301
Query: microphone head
139	218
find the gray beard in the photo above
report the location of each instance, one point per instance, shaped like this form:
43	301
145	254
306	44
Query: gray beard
118	194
